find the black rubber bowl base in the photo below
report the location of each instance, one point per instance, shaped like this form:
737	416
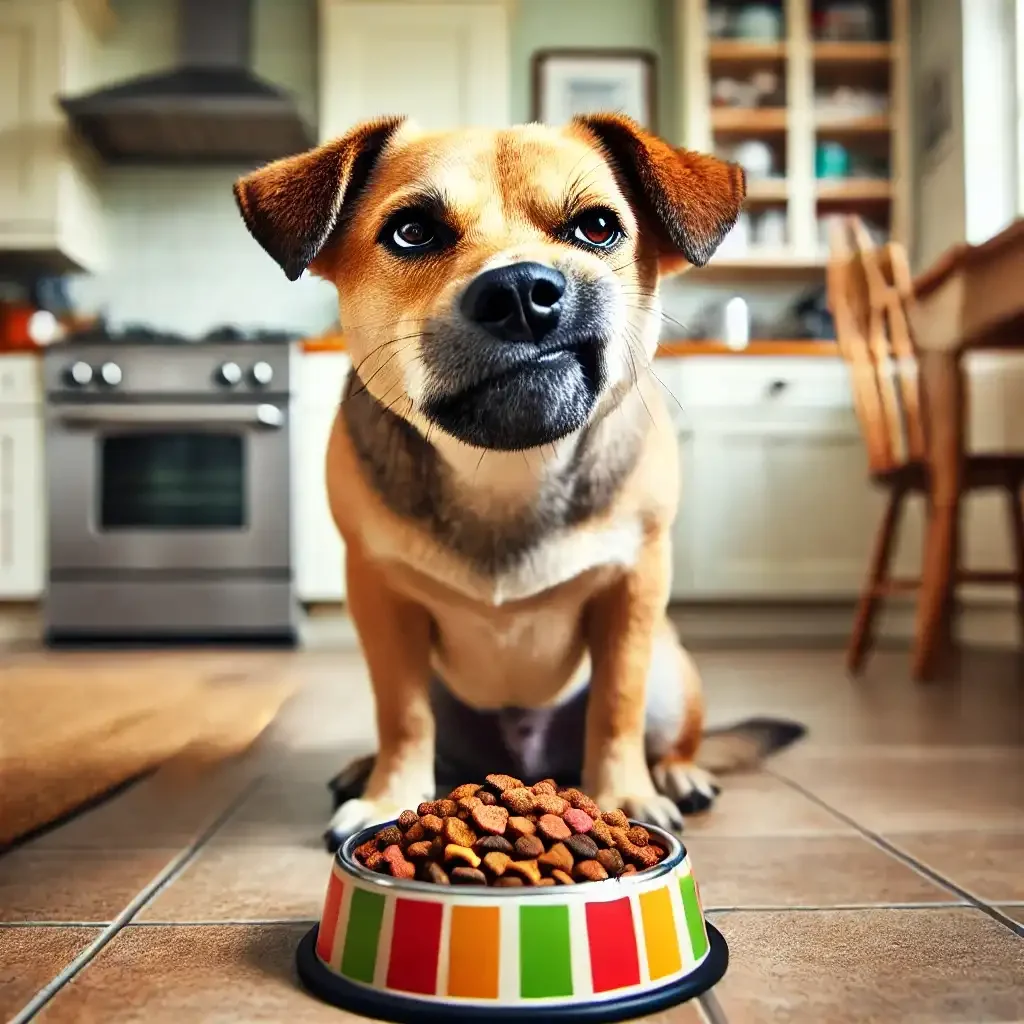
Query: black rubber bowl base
331	988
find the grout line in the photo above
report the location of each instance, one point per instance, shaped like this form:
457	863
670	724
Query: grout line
164	877
911	862
710	1008
54	924
772	908
231	922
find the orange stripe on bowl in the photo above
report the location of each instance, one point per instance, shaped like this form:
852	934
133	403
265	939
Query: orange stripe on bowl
329	919
660	938
473	952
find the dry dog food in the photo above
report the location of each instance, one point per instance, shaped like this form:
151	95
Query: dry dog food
505	833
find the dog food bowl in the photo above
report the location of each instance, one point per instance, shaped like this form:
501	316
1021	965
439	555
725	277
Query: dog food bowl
410	951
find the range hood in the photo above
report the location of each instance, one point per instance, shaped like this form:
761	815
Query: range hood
209	109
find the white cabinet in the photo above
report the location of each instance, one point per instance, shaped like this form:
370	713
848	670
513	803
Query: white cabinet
776	501
50	213
319	553
22	499
445	65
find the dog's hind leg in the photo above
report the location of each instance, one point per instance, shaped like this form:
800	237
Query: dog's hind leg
684	758
675	724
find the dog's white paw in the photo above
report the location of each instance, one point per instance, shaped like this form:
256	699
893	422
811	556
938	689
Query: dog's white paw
646	805
354	815
690	788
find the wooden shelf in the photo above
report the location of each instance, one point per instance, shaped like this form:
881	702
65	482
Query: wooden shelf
767	190
754	121
874	124
737	51
854	190
853	53
759	266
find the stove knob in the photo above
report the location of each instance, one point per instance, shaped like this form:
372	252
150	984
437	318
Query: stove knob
110	374
262	373
229	374
79	374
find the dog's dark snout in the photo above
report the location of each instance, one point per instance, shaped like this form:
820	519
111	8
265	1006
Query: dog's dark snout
518	302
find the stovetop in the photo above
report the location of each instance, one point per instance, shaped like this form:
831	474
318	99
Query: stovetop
141	334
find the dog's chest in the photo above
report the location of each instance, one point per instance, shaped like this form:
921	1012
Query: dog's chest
546	566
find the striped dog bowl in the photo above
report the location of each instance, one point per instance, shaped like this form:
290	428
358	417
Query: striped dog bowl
597	951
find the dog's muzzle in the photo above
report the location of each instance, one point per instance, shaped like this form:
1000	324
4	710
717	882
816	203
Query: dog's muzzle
522	363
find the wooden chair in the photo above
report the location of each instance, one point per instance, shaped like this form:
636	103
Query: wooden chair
870	290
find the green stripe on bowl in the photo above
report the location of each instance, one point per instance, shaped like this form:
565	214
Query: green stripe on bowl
362	935
545	958
694	917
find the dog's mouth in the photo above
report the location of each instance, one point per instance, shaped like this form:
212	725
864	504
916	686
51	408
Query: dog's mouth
538	399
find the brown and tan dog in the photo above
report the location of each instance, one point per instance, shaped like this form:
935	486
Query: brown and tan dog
502	468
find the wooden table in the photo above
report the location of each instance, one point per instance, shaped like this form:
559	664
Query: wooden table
971	299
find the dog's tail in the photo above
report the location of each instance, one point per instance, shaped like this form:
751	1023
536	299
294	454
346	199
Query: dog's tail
746	744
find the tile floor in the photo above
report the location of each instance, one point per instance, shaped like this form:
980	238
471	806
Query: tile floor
874	873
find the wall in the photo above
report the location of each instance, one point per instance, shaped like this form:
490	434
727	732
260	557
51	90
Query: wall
181	258
572	24
940	208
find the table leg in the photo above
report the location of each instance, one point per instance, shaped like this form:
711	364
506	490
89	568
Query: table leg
943	401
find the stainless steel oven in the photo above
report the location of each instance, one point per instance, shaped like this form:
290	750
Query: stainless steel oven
169	492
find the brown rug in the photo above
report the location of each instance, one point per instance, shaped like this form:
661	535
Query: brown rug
74	727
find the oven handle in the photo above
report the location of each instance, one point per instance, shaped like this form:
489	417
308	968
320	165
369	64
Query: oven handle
262	415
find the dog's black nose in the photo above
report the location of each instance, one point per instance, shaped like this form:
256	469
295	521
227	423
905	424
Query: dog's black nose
518	302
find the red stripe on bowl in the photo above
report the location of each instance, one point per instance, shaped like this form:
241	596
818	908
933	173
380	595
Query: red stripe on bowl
329	919
415	947
614	962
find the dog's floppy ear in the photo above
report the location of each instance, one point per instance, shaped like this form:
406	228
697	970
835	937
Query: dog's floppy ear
692	199
292	205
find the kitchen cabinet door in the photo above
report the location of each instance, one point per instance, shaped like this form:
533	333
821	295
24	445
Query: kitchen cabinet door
319	552
50	213
445	65
780	510
22	507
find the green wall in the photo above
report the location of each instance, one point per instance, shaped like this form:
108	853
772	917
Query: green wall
636	24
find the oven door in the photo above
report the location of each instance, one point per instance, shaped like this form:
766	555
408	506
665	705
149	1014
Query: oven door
178	488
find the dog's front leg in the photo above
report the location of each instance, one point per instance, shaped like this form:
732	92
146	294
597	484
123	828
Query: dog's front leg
622	622
395	636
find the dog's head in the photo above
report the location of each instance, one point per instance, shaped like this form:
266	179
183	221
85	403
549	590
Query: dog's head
497	285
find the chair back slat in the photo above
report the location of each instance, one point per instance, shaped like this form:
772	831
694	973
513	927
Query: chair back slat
869	289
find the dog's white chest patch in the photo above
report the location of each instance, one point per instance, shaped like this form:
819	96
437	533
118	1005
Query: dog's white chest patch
564	557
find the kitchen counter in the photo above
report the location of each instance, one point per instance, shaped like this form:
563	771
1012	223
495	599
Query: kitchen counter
671	347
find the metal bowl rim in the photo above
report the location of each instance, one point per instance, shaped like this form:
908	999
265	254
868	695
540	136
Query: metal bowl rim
348	863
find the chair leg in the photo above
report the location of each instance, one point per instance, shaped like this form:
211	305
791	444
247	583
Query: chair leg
1015	508
862	636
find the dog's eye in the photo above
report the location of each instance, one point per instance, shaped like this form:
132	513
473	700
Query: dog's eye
599	228
413	234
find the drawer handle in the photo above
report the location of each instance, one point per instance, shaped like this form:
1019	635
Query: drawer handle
776	388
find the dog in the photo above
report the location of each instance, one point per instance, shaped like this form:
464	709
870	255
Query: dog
502	466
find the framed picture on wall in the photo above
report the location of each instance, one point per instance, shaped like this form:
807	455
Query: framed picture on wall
571	82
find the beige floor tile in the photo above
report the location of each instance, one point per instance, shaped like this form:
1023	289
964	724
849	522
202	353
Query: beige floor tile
990	865
804	871
175	974
755	804
983	703
243	883
943	966
919	789
31	957
74	885
166	810
280	812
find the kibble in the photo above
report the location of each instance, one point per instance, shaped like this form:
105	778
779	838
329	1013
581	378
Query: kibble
528	848
505	833
468	876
